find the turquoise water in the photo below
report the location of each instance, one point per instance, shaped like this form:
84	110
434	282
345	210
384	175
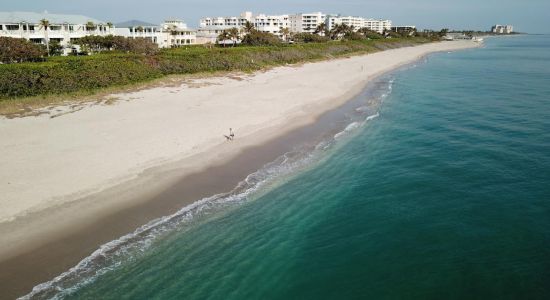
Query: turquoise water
446	195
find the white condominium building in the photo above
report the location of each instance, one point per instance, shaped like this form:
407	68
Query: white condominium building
502	29
377	25
138	29
64	29
306	22
358	22
172	33
271	24
211	27
177	34
226	22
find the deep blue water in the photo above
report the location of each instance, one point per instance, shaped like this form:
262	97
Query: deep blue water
446	195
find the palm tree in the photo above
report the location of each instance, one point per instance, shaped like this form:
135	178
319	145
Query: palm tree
224	36
46	25
321	28
248	27
340	30
335	32
90	26
233	34
109	24
285	32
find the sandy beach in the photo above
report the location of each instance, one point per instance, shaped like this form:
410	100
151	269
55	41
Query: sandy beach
73	181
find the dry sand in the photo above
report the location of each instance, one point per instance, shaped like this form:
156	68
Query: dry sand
50	168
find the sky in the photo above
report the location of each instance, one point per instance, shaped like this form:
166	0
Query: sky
532	16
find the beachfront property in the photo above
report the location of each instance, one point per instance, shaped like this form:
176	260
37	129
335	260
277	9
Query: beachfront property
138	29
403	28
502	29
63	29
358	22
306	22
211	27
170	34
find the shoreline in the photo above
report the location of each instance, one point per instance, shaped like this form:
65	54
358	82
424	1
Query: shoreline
73	233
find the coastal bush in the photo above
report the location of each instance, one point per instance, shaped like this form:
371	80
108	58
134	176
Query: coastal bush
259	38
96	43
354	36
72	75
19	50
60	75
306	37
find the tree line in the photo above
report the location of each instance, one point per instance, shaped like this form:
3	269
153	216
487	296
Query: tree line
249	35
17	50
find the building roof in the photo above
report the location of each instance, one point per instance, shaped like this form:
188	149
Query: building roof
134	23
34	18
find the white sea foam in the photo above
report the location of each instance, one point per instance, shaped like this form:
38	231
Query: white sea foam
372	117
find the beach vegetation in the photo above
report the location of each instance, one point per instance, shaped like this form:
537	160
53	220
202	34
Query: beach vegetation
306	37
259	38
223	37
132	62
96	44
15	50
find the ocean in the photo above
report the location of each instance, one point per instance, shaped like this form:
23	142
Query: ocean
437	188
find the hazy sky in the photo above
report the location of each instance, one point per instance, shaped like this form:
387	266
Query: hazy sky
527	15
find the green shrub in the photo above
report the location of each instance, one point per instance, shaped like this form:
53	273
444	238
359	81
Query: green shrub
19	50
309	38
258	38
72	75
60	75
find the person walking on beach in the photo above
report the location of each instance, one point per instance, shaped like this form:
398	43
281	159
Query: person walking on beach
231	133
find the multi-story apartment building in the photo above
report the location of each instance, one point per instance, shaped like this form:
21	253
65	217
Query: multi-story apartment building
172	33
502	29
377	25
358	22
177	34
63	29
138	29
211	27
306	22
271	24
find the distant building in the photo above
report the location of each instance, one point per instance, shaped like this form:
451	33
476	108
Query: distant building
63	29
211	27
358	22
455	36
403	28
170	34
138	29
502	29
306	22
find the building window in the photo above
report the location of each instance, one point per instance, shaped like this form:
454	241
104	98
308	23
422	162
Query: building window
36	41
1	27
12	27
